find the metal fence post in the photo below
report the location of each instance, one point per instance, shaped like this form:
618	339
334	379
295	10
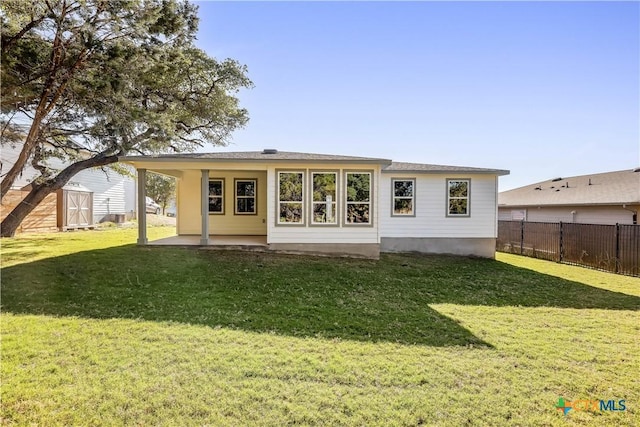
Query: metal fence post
561	242
617	261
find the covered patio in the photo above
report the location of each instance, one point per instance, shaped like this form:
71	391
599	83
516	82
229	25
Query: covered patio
223	242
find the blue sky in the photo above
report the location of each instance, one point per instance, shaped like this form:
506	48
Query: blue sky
543	89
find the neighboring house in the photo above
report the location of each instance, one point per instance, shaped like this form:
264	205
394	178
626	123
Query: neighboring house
603	198
330	204
104	194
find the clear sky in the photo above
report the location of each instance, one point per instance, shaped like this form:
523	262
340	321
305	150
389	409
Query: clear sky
544	89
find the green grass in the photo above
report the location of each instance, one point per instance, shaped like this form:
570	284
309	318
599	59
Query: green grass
97	331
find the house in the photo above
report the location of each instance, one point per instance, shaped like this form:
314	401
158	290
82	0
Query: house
320	203
602	198
92	196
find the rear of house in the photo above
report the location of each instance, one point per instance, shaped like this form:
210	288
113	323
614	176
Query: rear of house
453	209
331	204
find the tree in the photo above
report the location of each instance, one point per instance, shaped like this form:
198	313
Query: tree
86	81
161	188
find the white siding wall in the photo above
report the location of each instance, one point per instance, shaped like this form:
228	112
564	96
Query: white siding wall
130	197
321	234
431	208
583	214
109	191
515	214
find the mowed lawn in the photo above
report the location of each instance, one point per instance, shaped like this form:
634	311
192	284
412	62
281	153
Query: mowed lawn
98	331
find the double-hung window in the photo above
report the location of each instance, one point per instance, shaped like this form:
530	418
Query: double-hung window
458	197
245	197
290	197
324	197
403	203
216	196
358	198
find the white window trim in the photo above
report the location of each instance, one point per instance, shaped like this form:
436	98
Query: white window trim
254	197
346	223
278	201
467	198
334	202
394	197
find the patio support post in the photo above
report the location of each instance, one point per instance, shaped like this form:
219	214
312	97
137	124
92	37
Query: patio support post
204	207
142	207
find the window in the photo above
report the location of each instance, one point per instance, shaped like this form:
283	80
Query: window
458	197
216	196
324	199
403	197
358	198
290	198
245	197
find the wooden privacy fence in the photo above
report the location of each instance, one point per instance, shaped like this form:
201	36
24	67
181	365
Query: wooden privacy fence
42	218
614	248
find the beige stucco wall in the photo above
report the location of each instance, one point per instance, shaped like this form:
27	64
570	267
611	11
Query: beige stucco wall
484	247
189	217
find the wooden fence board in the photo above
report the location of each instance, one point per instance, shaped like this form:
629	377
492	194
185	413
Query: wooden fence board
42	218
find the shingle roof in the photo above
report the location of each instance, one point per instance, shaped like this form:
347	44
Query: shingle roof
258	156
284	156
620	187
426	168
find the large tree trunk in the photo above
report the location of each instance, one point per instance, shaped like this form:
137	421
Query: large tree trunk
21	161
38	192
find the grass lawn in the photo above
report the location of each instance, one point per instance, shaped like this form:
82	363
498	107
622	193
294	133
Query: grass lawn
98	331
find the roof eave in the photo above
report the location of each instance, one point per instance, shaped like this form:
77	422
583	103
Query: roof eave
141	159
498	172
523	205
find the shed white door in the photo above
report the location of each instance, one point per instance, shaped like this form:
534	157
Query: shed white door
78	208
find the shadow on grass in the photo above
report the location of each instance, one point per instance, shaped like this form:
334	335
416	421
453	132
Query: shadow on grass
386	300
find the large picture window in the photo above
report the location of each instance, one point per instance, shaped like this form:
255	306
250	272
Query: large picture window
458	197
290	198
245	197
403	203
324	199
358	198
216	196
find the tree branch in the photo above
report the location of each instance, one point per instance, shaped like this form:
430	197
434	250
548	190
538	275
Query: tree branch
8	42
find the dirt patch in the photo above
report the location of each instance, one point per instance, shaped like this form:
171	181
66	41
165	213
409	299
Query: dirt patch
153	219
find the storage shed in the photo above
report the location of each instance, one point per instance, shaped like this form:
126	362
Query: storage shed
75	207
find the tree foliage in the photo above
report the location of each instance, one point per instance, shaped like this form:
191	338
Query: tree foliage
161	188
358	187
324	185
86	81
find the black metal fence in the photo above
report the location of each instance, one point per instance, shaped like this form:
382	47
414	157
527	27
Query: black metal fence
614	248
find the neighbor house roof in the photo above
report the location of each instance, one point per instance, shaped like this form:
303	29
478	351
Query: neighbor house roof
422	168
609	188
256	156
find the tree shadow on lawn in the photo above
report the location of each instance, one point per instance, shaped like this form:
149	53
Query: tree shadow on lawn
385	300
